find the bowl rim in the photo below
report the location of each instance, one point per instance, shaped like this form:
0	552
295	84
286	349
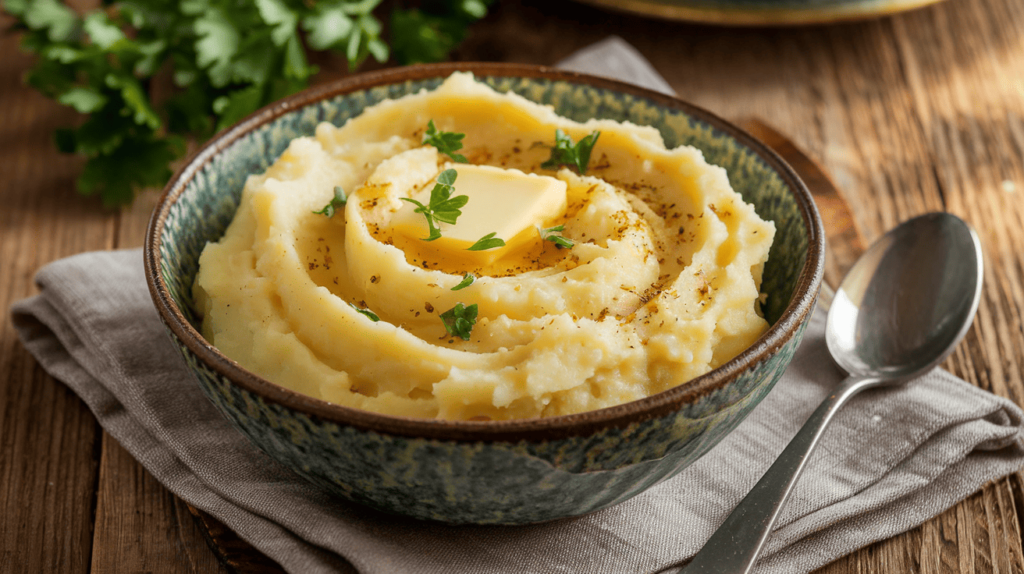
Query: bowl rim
550	428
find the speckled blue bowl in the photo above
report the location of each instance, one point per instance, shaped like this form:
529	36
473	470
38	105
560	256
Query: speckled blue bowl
497	472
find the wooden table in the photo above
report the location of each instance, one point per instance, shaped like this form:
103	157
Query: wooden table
918	112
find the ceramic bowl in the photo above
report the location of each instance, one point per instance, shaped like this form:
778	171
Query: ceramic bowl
763	12
496	472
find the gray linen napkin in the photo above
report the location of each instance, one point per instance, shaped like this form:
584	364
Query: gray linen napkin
891	460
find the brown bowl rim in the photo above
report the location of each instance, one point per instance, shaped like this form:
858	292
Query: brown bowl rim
552	428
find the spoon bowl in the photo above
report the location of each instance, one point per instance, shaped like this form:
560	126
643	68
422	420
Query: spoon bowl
899	312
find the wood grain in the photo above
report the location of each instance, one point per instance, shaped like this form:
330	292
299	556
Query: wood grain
845	241
907	114
140	526
49	442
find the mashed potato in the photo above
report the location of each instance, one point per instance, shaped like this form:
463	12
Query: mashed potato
661	283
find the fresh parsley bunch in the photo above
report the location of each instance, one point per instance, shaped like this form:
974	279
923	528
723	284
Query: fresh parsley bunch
431	32
223	58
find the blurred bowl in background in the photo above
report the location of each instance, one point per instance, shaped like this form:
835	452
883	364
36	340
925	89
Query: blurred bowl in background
762	12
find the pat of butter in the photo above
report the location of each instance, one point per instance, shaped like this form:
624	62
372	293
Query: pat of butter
507	202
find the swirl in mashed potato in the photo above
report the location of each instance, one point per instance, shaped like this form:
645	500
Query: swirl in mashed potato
661	284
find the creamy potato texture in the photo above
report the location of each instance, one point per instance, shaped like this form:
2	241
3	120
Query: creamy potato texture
660	285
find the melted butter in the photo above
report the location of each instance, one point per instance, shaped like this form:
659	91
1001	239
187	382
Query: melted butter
507	202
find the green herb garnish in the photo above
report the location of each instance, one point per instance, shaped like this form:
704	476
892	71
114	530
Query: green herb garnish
224	59
429	33
486	242
339	201
552	234
459	320
443	207
567	153
366	312
467	280
446	142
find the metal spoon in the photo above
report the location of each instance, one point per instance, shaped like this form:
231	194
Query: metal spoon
898	313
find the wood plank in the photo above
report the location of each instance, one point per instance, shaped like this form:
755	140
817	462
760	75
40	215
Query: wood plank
970	156
167	535
49	442
845	242
141	526
970	537
239	556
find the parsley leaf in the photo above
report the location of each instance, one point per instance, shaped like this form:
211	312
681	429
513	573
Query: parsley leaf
553	234
486	242
445	142
442	207
106	174
134	99
366	313
467	280
282	19
216	46
339	201
348	26
84	99
459	320
103	32
429	33
573	155
435	233
237	105
329	25
58	20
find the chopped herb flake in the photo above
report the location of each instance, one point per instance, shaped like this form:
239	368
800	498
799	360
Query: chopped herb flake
339	201
366	312
459	320
553	234
573	155
467	280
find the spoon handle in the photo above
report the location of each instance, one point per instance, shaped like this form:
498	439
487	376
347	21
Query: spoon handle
735	546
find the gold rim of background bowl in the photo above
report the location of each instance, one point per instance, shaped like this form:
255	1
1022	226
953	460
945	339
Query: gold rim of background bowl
767	16
579	424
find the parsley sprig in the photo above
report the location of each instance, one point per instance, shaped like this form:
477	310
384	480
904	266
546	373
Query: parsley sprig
430	33
446	142
553	234
575	155
442	207
337	202
225	59
459	320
